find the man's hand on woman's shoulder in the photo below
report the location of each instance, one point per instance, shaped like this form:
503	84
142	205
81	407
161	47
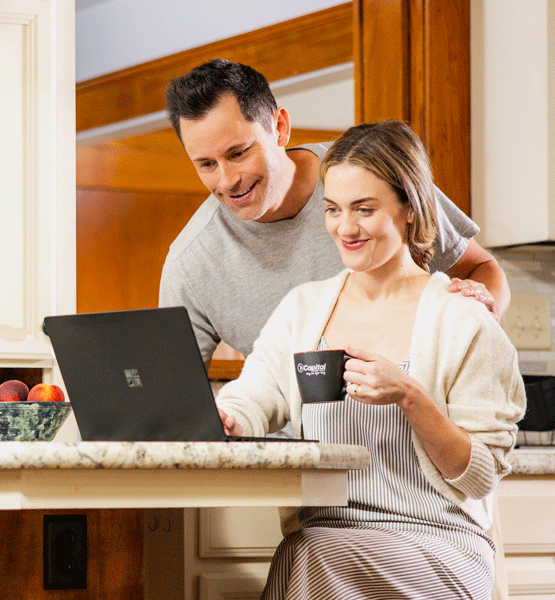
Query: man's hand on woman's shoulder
475	289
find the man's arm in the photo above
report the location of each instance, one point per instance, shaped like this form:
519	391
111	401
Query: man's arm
175	291
478	274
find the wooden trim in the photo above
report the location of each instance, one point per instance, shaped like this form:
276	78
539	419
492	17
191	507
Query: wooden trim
419	73
297	46
312	136
381	60
412	62
225	369
155	162
439	107
123	240
358	61
446	96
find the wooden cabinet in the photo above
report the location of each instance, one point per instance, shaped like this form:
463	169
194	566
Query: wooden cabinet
113	572
513	123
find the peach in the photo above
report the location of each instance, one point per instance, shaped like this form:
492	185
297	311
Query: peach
13	391
42	392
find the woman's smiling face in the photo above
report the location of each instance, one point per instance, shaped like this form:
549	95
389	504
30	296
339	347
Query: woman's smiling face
365	217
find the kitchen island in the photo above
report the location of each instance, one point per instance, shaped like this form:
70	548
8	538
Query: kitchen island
84	475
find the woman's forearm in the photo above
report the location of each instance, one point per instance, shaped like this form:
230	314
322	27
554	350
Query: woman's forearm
447	445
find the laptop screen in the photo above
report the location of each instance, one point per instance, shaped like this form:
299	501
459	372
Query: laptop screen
135	375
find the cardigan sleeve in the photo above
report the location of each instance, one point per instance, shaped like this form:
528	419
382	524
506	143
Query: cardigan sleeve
258	399
468	365
266	396
485	397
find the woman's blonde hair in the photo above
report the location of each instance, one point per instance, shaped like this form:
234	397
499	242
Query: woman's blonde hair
393	152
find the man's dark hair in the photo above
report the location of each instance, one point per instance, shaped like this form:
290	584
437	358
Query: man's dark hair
194	94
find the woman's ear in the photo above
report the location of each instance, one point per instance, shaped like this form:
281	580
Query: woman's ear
282	126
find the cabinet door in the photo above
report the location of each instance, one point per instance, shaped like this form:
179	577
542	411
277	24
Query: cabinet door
513	130
239	532
37	171
527	517
227	586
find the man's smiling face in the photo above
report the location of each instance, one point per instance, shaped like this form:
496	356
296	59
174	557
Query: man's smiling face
239	161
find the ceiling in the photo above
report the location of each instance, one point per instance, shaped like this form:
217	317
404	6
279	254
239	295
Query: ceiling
82	4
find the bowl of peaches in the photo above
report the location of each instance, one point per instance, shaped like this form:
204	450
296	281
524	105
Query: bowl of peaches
34	414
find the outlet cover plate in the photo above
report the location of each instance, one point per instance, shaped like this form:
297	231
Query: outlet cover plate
65	552
528	322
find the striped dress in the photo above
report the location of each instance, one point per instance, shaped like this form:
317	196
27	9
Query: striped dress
397	538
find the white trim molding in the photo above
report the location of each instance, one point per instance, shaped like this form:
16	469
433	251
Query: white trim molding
37	170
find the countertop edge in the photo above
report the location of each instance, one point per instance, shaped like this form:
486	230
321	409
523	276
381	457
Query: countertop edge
220	455
533	461
180	455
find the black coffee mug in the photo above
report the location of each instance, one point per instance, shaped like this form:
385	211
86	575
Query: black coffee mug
320	375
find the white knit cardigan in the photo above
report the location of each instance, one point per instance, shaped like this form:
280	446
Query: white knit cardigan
458	352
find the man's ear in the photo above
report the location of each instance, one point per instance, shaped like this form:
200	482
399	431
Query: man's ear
282	126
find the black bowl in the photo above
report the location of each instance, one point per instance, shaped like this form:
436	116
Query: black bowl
31	421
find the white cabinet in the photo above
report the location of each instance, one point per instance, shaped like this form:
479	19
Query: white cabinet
219	553
527	516
513	120
239	532
209	553
37	174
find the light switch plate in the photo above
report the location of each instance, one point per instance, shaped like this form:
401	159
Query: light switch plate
527	322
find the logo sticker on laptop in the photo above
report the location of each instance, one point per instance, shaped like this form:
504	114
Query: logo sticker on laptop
133	378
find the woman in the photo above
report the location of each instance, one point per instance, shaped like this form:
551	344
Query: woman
433	392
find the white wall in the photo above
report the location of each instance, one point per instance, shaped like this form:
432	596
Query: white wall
116	34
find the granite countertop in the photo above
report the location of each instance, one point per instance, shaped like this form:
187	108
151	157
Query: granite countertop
533	460
220	455
181	455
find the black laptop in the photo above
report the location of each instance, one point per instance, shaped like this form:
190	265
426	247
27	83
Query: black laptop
136	375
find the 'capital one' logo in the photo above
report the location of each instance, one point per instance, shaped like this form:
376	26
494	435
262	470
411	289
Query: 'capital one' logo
312	369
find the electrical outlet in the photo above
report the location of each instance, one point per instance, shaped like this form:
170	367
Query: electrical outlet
527	322
65	552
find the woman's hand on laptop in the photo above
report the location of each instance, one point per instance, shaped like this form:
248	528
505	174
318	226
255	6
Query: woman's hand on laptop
231	427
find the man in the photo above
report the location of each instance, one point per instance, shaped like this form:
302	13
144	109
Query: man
262	232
